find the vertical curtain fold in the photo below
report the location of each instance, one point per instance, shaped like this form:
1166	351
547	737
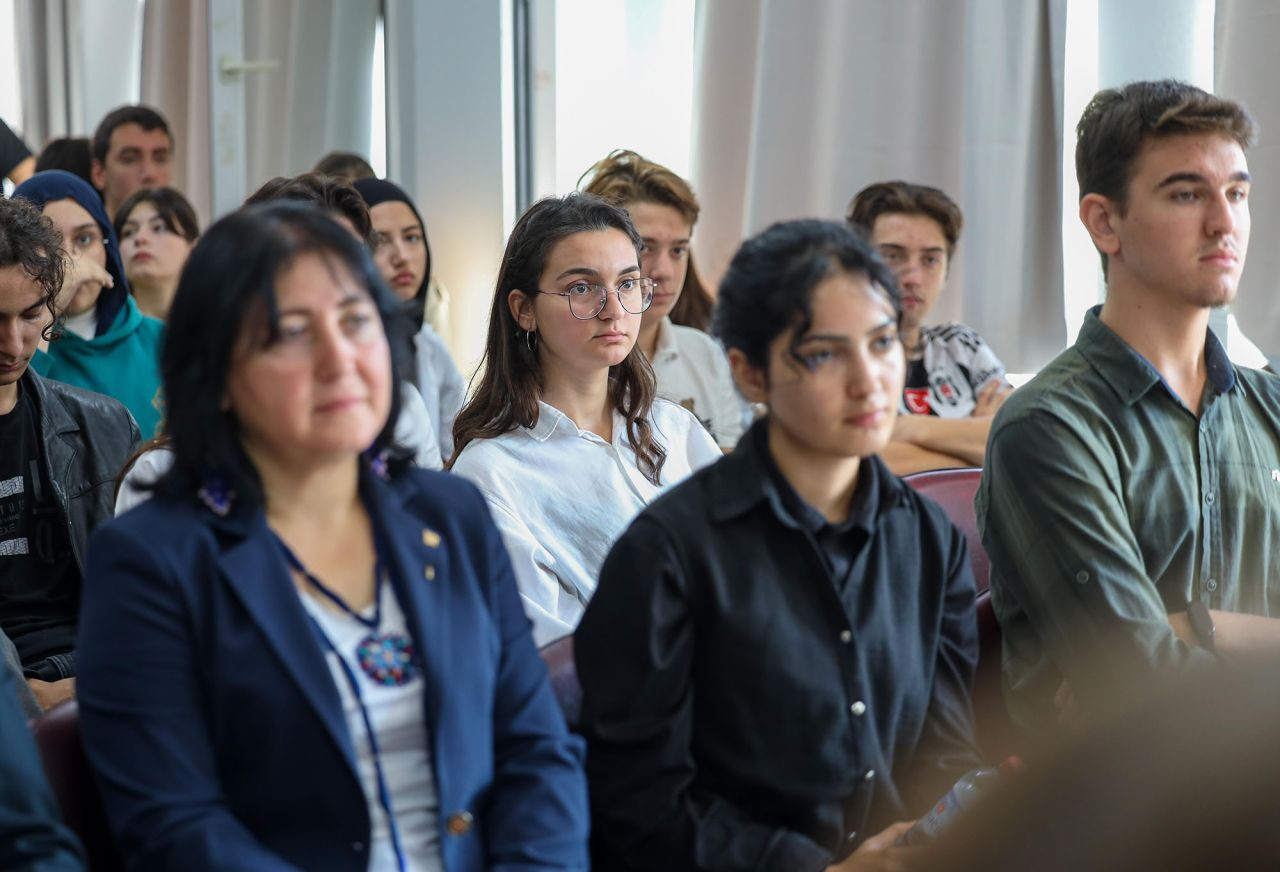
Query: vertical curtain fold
801	105
1246	68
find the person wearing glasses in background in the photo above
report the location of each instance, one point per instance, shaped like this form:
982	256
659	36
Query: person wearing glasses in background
564	434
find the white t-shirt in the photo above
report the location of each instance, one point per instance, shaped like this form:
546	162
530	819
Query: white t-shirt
693	371
397	715
561	496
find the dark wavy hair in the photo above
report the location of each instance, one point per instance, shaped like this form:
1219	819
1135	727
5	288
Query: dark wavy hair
623	177
327	192
905	198
144	116
28	239
171	208
232	271
769	286
511	383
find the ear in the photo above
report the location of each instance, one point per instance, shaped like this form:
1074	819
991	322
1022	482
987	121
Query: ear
752	381
98	173
521	306
1098	215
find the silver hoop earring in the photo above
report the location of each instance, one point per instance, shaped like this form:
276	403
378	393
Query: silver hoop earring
531	340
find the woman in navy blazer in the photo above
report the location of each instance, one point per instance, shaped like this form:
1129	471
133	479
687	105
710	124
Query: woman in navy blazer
229	724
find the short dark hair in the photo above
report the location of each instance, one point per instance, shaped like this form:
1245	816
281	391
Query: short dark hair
511	379
171	207
1119	121
346	165
768	288
28	239
143	116
232	270
327	192
70	153
906	198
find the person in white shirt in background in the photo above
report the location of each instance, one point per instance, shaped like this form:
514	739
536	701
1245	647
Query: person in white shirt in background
691	367
564	435
403	256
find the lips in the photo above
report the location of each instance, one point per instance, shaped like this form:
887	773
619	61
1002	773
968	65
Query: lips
869	419
339	405
403	278
1220	257
611	337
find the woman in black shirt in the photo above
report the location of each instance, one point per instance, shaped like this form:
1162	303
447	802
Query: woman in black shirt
776	665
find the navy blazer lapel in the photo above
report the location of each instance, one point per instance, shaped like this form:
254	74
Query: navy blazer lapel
419	571
256	570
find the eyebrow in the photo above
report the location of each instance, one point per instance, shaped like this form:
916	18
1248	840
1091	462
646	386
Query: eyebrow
898	247
1200	179
844	340
681	241
88	225
589	272
347	300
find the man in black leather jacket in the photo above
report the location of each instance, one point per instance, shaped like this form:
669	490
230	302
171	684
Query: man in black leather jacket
60	451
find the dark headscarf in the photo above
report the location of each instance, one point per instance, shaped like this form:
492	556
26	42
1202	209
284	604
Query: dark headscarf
52	185
377	191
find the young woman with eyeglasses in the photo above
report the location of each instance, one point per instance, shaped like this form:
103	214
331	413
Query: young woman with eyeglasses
564	435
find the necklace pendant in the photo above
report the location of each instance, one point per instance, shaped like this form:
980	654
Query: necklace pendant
387	658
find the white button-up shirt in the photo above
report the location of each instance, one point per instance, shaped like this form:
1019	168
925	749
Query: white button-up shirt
561	496
692	371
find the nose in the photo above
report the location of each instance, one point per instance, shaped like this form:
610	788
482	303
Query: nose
862	375
612	310
657	266
909	274
333	352
1221	216
10	338
398	254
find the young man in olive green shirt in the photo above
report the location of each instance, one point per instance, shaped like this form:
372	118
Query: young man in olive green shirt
1131	500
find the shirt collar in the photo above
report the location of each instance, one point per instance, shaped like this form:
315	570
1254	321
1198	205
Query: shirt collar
749	476
1130	374
551	419
665	347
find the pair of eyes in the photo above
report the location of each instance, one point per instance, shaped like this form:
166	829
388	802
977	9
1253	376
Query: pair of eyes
1235	195
413	237
155	225
132	157
895	257
816	358
677	251
296	331
583	289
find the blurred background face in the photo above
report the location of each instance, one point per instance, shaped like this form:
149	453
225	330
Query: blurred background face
136	158
915	248
665	257
836	392
152	252
81	235
399	247
321	390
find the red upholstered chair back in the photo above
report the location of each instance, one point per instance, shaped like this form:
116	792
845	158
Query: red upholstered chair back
953	490
558	656
57	735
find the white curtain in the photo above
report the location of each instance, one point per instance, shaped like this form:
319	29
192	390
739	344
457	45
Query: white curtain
1246	69
800	105
175	80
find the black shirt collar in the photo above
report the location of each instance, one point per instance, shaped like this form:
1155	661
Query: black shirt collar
751	476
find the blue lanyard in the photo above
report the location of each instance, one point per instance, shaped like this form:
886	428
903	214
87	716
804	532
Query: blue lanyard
384	793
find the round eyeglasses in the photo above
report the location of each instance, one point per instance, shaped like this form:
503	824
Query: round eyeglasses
587	301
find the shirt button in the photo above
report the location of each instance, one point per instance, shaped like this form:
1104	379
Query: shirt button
1082	577
1211	585
871	773
846	636
459	823
429	573
852	836
859	709
1208	498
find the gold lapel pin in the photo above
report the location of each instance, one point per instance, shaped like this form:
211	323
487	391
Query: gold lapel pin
430	538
